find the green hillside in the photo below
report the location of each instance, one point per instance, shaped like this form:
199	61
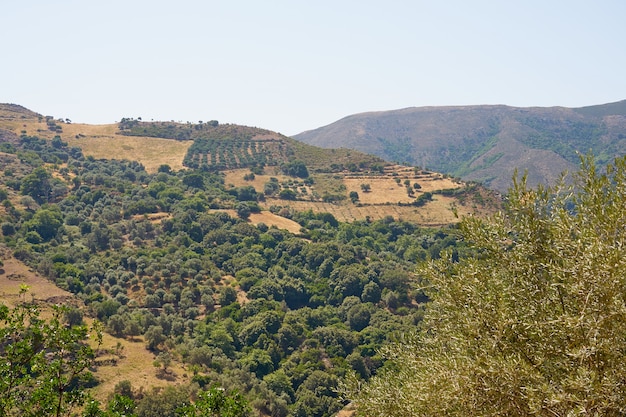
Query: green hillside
330	179
219	147
233	274
238	269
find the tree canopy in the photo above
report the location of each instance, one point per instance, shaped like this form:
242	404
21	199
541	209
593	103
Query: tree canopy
533	324
276	316
43	362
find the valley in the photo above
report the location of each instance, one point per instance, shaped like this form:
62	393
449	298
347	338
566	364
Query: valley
219	255
233	260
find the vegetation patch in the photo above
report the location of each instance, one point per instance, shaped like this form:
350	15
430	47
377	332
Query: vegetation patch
219	154
276	303
521	311
248	280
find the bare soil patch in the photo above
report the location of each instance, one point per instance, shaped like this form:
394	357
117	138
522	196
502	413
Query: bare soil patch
16	275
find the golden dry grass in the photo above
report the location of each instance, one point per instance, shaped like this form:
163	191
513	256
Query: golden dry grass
74	129
16	274
150	152
105	142
269	219
234	177
134	364
346	412
438	212
383	199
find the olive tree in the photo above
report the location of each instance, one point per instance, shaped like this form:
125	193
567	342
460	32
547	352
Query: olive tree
42	362
216	402
533	324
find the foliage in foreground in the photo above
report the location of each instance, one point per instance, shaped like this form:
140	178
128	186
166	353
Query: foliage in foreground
217	403
43	362
535	325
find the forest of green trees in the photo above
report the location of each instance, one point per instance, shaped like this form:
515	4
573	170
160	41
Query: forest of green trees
520	314
272	319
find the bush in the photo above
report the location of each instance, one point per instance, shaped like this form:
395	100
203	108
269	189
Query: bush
533	325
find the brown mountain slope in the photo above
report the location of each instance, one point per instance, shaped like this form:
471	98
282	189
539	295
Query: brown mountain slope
483	143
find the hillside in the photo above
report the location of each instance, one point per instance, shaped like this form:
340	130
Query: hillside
484	143
220	255
250	156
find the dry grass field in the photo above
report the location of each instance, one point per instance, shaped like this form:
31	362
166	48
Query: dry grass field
234	177
123	359
150	152
383	200
438	212
104	142
15	275
270	219
101	141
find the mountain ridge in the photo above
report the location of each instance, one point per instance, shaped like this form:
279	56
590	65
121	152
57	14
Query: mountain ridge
485	143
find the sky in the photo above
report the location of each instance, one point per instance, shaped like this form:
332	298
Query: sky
291	65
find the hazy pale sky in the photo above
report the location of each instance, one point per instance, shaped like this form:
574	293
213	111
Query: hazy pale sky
291	66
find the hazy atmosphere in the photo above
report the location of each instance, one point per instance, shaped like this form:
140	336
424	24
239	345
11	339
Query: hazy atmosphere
312	209
291	66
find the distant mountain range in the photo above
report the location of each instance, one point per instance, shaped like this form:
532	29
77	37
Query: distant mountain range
484	143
